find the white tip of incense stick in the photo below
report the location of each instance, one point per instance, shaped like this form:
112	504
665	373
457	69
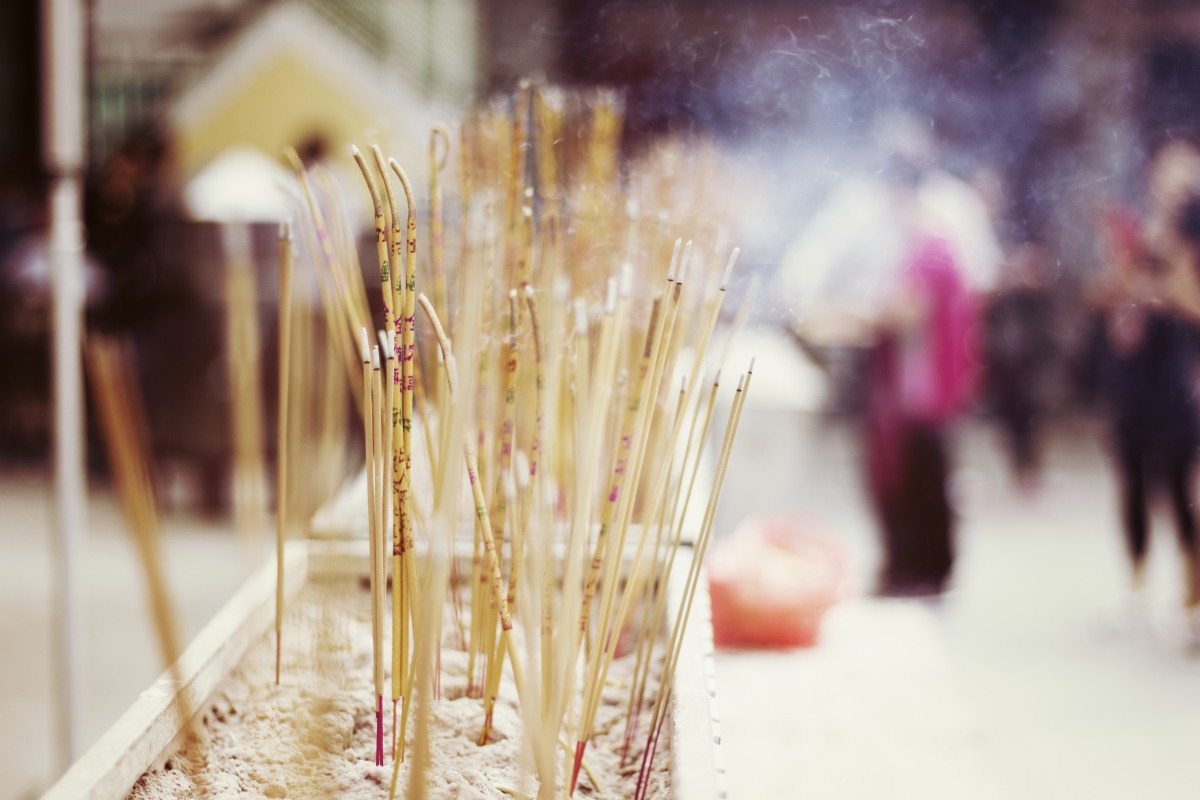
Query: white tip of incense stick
729	267
581	317
364	345
385	345
375	357
683	261
741	382
717	378
610	297
626	279
451	367
354	151
522	471
751	368
529	292
562	289
285	231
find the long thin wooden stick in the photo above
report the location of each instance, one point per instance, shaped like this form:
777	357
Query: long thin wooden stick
370	440
499	509
119	410
281	460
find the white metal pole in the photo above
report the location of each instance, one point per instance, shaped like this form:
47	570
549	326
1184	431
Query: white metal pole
63	151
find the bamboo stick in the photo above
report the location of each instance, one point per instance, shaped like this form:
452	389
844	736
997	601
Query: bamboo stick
370	441
282	454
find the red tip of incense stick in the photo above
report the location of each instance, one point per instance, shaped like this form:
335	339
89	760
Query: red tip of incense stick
643	781
630	732
379	731
485	736
579	748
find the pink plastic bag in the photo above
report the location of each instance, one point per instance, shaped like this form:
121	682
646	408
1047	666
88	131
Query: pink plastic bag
771	582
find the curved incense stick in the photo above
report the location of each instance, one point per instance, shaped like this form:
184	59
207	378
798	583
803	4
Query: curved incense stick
393	298
342	306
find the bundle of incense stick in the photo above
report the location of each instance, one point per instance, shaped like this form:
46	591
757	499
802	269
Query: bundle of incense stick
569	337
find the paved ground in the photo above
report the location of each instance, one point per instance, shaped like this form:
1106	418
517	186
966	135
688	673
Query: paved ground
1019	685
1014	687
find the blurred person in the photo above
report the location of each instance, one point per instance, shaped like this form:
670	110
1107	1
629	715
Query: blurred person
1017	349
1017	354
893	264
1149	306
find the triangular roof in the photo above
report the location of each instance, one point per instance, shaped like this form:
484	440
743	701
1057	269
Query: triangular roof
288	76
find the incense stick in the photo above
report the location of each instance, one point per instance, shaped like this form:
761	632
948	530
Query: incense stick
370	442
119	411
281	460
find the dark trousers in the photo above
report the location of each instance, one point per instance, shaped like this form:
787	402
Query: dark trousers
914	511
1143	468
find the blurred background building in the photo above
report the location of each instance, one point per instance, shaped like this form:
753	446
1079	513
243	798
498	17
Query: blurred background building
1055	105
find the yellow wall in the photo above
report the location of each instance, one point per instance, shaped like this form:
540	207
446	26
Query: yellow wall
286	102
